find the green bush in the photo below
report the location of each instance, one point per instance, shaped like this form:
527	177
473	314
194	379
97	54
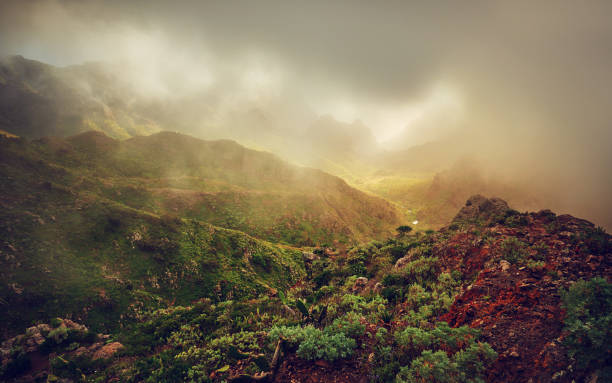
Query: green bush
595	241
403	230
348	324
385	365
442	354
421	271
541	249
356	260
429	367
312	343
162	367
261	260
515	219
465	366
588	322
76	367
415	339
322	345
513	250
55	322
472	361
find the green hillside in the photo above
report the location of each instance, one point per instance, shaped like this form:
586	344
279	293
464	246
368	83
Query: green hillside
38	99
67	251
97	228
219	182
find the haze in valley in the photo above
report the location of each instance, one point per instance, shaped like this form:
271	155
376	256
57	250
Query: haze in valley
520	91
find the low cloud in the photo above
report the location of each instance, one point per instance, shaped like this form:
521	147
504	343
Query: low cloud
526	85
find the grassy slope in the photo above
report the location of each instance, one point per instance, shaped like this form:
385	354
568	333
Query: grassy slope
97	229
73	247
69	251
225	184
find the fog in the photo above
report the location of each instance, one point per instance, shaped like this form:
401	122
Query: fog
526	86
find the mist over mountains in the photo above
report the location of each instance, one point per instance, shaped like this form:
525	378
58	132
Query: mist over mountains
39	99
317	192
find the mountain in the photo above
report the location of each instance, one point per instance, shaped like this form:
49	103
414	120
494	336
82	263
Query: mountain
496	296
225	184
68	250
38	99
430	157
90	221
129	253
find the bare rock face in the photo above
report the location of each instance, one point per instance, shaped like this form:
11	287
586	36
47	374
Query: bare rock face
107	351
481	208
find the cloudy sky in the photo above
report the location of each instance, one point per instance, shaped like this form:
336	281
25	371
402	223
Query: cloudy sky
531	80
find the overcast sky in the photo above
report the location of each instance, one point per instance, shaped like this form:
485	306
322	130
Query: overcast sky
532	78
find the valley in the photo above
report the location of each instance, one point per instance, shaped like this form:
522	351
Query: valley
170	258
305	192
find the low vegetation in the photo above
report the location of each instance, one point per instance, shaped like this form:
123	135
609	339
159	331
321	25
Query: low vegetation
167	296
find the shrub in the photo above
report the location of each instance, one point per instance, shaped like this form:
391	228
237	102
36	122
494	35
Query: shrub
403	230
429	367
513	250
472	361
321	345
162	367
422	271
515	219
381	334
371	308
19	363
414	340
348	324
589	323
75	367
535	265
313	343
466	366
385	366
541	250
261	260
596	241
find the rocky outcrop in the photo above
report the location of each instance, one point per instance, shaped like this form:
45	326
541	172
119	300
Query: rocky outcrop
107	351
515	302
28	356
480	208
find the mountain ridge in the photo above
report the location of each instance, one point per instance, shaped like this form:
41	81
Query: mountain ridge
496	295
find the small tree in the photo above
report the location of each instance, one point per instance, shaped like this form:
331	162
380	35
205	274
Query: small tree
403	230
